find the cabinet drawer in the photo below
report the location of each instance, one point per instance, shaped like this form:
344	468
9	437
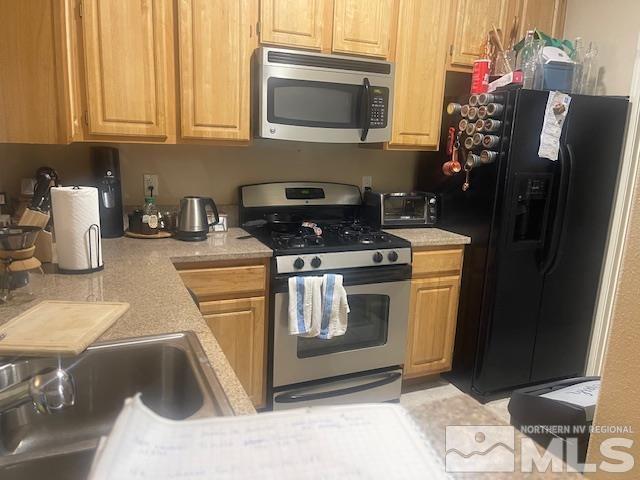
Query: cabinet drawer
226	282
429	262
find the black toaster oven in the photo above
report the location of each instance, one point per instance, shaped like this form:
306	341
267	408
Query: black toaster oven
400	210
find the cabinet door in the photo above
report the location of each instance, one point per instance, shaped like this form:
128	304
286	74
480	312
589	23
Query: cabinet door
432	325
473	21
544	15
239	328
296	23
420	56
127	57
30	87
363	27
215	43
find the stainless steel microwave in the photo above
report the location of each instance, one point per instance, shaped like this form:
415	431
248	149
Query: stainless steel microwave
314	97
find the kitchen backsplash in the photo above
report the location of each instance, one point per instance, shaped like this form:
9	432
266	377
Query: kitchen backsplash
214	171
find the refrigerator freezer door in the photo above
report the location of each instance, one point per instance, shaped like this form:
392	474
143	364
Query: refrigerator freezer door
514	282
593	144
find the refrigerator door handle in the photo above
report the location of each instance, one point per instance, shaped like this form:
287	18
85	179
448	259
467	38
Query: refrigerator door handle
554	252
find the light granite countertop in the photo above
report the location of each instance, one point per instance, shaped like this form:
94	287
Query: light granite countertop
141	272
429	237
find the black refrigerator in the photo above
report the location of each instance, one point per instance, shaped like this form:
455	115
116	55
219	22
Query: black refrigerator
539	230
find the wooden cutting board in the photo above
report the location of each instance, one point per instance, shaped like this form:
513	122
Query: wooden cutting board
58	327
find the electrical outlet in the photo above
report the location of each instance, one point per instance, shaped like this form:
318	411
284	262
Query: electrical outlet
150	181
367	182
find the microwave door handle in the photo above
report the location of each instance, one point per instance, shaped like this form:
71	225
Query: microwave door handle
366	99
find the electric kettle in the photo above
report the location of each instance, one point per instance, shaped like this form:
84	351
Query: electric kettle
193	224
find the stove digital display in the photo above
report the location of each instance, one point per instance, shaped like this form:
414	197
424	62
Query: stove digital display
304	193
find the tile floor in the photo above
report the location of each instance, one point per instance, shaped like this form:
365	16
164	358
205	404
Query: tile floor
439	389
436	404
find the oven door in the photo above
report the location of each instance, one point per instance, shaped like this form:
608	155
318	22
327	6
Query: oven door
375	337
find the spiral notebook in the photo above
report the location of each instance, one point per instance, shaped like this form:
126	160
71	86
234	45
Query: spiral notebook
346	442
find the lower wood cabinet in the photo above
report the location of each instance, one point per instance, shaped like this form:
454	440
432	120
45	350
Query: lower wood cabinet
233	302
239	327
433	311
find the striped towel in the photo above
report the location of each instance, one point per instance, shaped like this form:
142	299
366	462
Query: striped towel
335	307
305	306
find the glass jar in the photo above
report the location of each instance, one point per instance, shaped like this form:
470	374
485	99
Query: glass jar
150	223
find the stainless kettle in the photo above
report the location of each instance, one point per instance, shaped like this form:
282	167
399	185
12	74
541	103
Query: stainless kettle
193	224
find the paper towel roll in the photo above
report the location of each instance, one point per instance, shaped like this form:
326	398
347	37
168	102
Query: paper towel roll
76	223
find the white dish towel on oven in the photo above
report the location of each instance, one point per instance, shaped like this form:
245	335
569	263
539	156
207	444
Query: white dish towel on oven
335	307
305	306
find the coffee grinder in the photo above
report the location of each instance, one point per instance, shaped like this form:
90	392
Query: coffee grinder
105	165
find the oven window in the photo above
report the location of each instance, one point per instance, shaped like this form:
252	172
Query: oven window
404	208
313	104
368	327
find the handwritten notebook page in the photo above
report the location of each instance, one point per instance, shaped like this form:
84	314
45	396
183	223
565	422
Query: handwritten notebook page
346	442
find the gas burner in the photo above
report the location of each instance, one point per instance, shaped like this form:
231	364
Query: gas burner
313	240
353	231
371	238
366	239
296	242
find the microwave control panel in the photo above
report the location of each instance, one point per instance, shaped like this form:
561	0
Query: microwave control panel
379	107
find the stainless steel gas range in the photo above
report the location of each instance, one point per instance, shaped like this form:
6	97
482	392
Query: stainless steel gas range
314	228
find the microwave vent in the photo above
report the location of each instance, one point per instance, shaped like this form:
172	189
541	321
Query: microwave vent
328	62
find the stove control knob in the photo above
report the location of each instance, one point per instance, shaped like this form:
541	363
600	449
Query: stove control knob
298	263
377	257
316	262
393	256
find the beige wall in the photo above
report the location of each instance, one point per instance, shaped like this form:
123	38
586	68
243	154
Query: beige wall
215	171
614	26
619	401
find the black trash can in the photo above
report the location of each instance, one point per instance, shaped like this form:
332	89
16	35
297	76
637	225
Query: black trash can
562	409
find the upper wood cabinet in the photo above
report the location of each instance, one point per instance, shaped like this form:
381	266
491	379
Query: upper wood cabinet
296	23
544	15
420	57
215	43
363	27
32	103
128	54
472	21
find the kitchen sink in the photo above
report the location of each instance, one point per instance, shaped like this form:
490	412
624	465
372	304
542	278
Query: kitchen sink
170	371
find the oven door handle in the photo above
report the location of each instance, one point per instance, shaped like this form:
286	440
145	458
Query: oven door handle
299	395
366	99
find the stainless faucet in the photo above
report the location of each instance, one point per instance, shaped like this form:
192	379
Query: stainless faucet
50	391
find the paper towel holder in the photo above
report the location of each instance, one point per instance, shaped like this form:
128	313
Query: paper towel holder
95	229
